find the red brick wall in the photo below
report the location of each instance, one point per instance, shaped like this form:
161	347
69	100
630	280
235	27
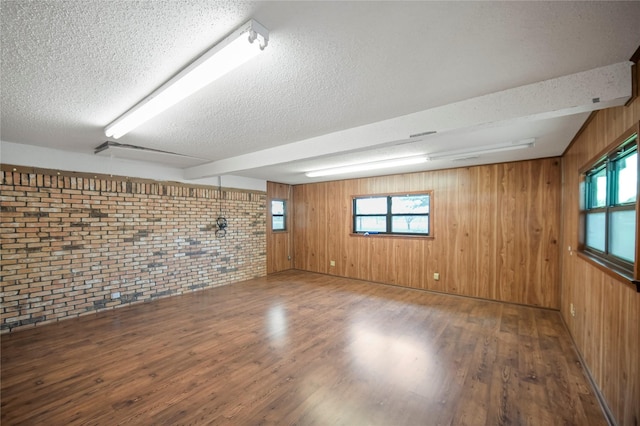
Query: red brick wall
70	242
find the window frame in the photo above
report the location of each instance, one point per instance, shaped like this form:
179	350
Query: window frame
283	215
607	159
389	215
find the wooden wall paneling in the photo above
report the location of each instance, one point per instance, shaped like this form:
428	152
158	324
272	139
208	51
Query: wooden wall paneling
317	236
529	249
605	327
521	255
483	225
468	198
446	232
507	232
311	239
550	249
485	247
456	256
322	229
299	223
279	243
339	212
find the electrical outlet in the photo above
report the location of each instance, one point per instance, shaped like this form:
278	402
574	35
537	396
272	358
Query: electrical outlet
572	309
436	276
332	262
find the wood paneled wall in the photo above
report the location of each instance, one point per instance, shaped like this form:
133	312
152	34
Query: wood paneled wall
606	326
279	250
495	227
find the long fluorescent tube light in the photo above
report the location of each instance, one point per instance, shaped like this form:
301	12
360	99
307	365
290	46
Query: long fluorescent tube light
224	57
367	166
469	154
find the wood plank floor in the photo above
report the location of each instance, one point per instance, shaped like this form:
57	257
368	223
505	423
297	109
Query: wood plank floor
299	348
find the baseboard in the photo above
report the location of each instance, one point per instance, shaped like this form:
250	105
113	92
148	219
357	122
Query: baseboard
611	420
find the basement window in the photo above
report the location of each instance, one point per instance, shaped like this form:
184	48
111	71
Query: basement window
609	191
406	214
278	215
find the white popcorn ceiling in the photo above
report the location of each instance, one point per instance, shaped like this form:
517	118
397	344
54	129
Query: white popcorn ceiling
71	67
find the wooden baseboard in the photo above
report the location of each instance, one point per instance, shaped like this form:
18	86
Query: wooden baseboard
611	420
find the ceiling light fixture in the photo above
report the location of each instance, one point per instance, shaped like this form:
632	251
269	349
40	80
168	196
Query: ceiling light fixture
375	165
462	154
224	57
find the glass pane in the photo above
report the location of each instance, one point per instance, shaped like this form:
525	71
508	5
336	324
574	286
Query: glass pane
371	224
277	223
598	189
627	170
376	205
410	204
595	230
622	236
277	207
412	224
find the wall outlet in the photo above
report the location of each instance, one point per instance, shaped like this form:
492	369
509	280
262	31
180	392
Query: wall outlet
115	295
332	262
572	309
436	276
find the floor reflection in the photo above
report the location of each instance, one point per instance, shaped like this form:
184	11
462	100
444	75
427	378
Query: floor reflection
398	360
277	326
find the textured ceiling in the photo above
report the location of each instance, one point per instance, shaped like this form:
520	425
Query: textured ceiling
69	68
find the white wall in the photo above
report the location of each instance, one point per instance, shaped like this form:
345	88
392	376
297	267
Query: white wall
47	158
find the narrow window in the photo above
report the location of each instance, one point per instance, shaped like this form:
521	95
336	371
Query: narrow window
278	215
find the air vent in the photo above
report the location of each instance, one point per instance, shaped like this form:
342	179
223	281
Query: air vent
417	135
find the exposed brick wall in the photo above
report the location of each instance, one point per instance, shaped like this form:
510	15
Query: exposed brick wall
69	243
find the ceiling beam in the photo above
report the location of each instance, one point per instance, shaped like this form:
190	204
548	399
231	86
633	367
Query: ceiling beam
576	93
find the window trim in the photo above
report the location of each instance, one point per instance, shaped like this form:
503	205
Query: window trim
389	215
283	215
627	272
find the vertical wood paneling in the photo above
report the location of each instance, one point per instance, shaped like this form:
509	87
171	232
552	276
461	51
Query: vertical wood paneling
495	228
605	327
279	243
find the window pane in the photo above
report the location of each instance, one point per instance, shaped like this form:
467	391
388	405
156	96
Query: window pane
623	231
627	171
410	224
595	230
410	204
371	224
277	223
376	205
598	189
277	207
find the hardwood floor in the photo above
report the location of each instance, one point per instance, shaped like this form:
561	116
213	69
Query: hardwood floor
300	348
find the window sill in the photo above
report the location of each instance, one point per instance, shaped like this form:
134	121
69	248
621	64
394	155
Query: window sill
373	235
612	270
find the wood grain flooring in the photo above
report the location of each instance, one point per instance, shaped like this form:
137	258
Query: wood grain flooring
299	348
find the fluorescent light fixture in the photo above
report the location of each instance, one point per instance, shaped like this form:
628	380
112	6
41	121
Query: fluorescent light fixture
465	154
224	57
375	165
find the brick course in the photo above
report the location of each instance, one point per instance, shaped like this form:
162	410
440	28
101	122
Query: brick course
70	242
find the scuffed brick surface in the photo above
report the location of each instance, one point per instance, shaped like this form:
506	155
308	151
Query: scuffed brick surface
69	243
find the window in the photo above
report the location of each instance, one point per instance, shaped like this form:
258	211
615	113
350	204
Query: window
608	206
278	215
392	214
